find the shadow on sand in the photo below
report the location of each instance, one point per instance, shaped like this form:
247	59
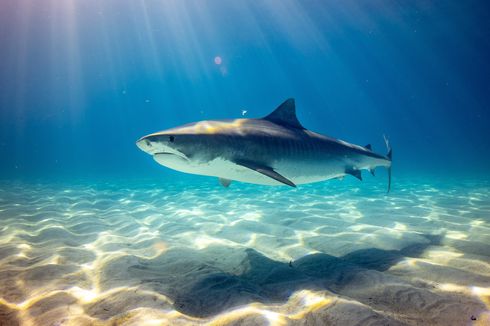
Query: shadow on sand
221	280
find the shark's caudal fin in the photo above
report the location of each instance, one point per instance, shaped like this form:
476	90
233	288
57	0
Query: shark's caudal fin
389	155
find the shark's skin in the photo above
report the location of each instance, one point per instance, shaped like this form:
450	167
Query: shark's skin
275	150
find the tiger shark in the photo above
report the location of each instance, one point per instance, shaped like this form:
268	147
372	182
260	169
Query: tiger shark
274	150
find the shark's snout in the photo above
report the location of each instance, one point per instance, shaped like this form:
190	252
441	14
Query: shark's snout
155	144
146	144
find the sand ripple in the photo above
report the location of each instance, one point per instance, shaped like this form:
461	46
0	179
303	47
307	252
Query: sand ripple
157	254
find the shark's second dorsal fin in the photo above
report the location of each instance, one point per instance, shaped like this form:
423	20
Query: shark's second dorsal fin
285	114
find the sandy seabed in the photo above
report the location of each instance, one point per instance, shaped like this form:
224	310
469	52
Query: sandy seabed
177	254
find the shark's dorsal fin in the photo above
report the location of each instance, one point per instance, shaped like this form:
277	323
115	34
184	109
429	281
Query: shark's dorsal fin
285	114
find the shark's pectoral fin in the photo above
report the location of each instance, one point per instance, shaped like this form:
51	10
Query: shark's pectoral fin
354	172
372	172
225	182
267	171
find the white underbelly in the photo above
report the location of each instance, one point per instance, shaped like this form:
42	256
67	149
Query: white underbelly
226	169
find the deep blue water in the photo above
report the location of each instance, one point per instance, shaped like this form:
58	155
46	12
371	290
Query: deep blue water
81	81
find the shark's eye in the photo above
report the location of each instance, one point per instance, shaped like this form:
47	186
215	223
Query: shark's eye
171	138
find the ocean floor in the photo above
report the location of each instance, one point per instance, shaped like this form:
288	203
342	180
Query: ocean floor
334	253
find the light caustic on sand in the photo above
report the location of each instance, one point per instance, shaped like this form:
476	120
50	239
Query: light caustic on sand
160	254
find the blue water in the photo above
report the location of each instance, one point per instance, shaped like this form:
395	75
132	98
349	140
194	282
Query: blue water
81	81
93	230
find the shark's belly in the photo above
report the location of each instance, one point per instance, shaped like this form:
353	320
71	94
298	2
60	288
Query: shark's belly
299	169
308	172
297	172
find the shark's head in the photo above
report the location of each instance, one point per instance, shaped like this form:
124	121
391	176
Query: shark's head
188	147
172	148
160	143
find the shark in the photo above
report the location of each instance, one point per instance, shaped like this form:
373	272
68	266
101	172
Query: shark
274	150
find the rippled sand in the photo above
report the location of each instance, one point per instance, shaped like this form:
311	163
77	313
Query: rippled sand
336	253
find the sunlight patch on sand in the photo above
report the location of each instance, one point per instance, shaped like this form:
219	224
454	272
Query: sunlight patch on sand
298	306
152	255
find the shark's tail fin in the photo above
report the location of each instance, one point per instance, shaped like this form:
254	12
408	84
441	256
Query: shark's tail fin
389	158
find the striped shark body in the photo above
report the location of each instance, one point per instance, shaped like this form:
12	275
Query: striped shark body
274	150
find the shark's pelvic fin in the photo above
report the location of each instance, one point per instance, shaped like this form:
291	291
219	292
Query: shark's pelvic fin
225	182
267	171
354	172
285	114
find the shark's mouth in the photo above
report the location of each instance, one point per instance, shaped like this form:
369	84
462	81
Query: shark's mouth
172	160
176	153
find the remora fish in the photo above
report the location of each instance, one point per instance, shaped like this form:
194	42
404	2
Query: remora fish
275	150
